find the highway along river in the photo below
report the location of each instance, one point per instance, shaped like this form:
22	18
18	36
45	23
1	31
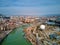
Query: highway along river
16	37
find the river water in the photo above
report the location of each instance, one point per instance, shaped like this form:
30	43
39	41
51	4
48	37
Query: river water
16	37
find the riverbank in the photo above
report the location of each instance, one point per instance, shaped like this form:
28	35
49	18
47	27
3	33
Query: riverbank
16	37
4	34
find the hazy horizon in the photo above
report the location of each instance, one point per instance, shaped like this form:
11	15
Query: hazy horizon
29	7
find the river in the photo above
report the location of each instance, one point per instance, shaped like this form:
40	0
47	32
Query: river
16	37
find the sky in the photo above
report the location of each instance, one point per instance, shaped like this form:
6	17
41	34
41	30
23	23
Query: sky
29	7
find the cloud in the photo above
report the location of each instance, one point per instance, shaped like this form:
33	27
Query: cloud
7	3
29	7
30	10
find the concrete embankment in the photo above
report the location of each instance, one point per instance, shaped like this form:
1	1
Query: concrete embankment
3	35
